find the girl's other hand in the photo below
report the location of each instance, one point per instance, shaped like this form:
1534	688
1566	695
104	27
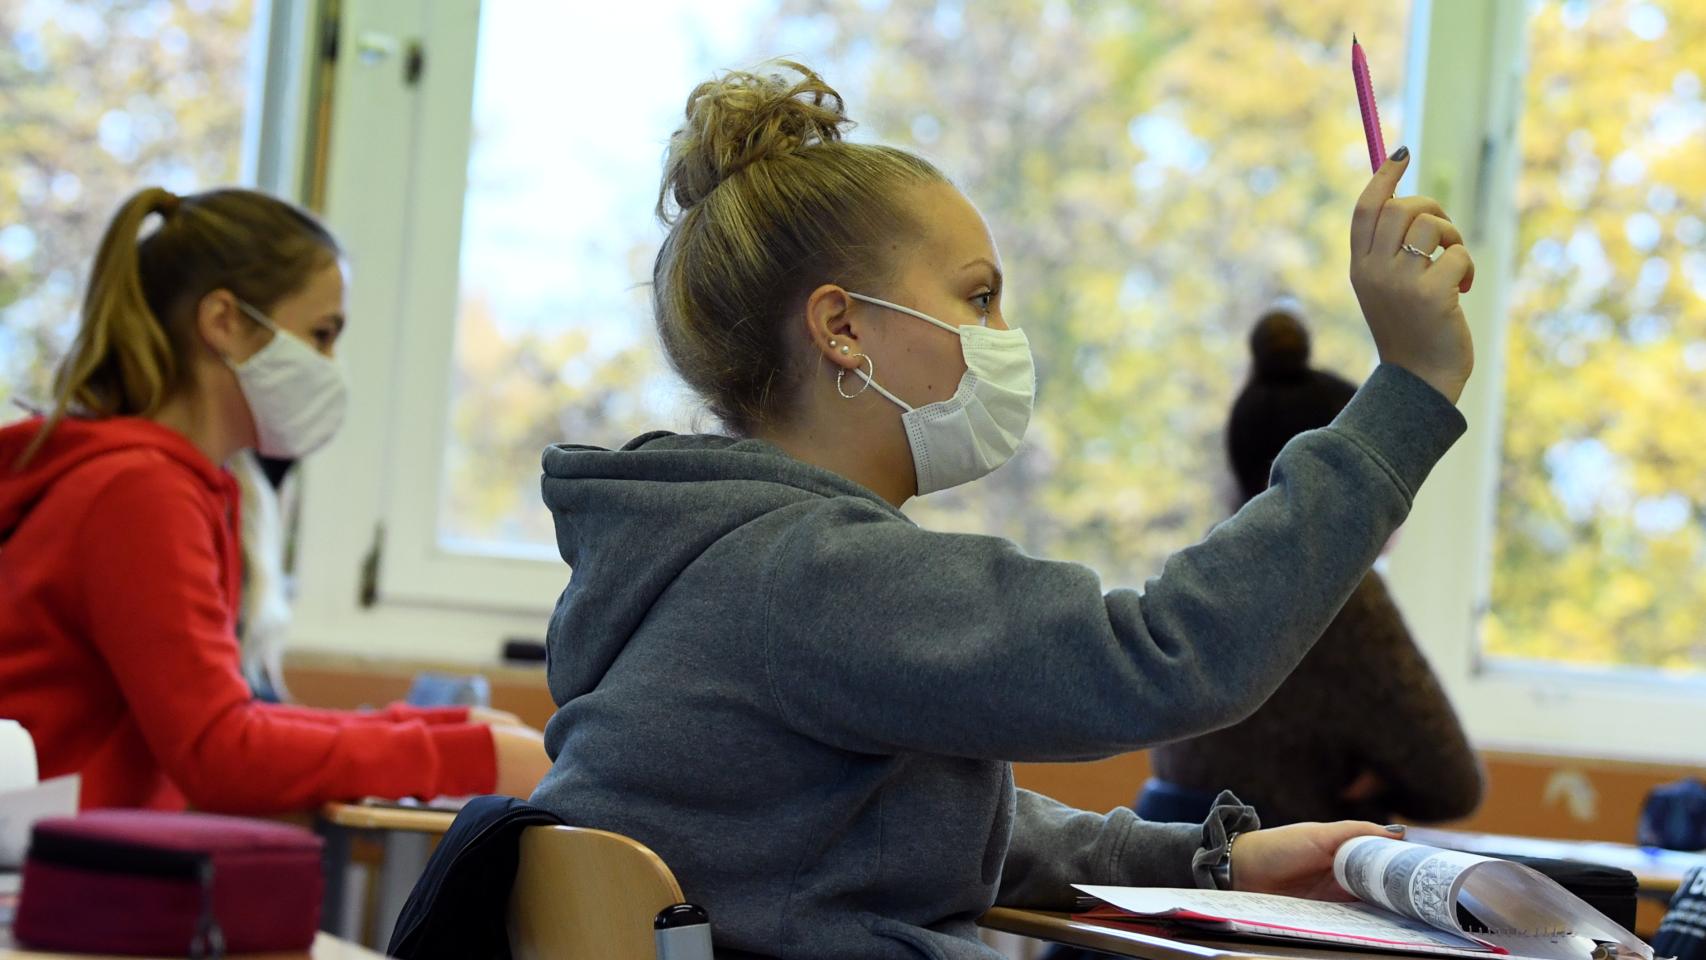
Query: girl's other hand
521	760
1296	860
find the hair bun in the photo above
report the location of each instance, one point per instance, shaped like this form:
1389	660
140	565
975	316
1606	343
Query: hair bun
742	118
1279	346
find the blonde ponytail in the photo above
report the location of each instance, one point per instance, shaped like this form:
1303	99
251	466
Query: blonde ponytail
122	360
133	348
764	200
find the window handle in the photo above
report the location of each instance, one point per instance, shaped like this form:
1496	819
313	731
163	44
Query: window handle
372	47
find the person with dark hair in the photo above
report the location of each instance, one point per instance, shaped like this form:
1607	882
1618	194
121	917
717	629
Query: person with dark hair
1362	729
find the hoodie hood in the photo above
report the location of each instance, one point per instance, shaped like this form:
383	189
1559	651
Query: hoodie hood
74	443
629	521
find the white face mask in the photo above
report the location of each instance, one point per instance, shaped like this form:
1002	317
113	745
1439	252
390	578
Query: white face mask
296	395
979	428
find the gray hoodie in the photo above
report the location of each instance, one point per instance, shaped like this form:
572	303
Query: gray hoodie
807	705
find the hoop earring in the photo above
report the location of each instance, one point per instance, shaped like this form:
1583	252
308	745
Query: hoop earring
862	387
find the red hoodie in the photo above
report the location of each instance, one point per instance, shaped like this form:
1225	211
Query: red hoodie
119	580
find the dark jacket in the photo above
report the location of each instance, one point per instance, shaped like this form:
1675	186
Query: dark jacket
460	906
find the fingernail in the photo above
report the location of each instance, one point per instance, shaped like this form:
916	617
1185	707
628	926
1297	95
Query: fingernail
1401	154
1396	829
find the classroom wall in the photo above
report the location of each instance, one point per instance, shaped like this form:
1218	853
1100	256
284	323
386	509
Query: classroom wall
1578	798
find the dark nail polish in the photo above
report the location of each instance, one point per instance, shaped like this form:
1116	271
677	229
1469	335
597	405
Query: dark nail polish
1401	154
1396	828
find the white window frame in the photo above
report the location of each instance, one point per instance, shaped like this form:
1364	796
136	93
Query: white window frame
398	173
389	156
277	118
396	182
1472	70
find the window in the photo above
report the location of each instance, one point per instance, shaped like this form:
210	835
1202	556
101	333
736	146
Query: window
1154	180
1601	521
98	99
553	334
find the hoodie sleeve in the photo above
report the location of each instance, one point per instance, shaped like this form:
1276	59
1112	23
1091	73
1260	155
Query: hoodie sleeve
1055	846
156	611
881	637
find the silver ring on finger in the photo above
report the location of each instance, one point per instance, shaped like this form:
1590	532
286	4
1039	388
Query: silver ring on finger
1418	251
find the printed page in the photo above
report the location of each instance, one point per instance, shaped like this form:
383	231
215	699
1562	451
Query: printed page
1516	900
1417	881
1516	907
1287	916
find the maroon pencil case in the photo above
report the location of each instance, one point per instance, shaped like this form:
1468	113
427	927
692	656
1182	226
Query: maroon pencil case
169	884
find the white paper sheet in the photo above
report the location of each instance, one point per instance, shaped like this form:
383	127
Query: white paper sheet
1355	924
17	756
20	809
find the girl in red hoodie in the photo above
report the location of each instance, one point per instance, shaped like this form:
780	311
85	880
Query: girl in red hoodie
119	562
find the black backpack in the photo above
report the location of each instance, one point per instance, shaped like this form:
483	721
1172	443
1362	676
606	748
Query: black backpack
459	907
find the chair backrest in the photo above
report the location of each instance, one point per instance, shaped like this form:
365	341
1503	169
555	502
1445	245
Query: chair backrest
586	894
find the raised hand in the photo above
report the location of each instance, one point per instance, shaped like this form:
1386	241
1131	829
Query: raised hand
1409	295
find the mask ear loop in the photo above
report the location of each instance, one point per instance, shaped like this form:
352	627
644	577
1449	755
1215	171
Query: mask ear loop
257	316
869	378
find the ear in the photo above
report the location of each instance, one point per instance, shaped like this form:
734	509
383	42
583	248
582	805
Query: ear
830	326
223	327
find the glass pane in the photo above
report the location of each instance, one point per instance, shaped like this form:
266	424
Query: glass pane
99	98
554	338
1601	551
1155	180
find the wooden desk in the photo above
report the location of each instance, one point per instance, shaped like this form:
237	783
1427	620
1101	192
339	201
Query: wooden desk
361	816
1658	872
1061	928
406	835
326	947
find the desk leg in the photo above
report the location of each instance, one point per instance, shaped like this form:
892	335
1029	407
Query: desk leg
335	861
405	859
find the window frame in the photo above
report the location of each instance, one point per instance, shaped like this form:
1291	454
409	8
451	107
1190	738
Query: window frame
1468	148
396	153
278	113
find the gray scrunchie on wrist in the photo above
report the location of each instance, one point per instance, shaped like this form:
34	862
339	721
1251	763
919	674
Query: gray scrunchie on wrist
1229	816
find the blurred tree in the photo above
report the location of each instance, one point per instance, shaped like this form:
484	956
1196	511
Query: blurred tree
517	394
99	98
1601	551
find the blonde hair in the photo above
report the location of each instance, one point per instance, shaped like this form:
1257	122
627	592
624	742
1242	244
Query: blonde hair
764	202
137	334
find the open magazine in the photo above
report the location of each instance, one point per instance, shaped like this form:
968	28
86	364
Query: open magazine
1411	898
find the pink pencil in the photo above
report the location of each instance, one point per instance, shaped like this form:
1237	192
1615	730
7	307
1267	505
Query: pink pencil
1365	100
